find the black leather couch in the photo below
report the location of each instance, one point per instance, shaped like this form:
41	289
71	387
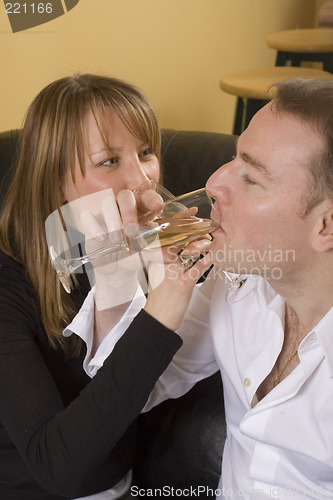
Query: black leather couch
180	442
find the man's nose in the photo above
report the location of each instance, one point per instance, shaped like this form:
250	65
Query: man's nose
220	184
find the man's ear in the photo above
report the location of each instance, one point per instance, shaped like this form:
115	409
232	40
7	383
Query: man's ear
323	240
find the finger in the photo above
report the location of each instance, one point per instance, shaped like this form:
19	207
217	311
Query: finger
127	206
197	247
187	277
174	293
149	204
201	266
151	201
188	212
111	214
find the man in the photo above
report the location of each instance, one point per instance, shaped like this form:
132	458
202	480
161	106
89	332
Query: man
273	338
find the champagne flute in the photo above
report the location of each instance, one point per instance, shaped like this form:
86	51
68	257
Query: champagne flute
181	220
235	285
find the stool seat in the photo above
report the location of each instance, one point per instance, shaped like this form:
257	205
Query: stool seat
252	88
298	46
254	83
311	41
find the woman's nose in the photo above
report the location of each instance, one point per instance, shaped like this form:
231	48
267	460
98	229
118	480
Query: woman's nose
136	175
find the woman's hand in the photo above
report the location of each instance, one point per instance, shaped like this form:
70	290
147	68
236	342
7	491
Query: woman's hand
170	284
117	275
114	273
168	301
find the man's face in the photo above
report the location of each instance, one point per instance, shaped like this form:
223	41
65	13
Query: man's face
260	199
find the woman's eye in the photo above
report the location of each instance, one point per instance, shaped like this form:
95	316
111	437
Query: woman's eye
108	162
146	152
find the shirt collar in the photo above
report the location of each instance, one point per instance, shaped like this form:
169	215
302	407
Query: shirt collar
83	326
324	332
267	297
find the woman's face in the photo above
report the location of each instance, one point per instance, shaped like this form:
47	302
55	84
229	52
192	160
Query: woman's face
131	163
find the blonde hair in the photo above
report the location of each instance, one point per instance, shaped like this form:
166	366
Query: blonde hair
52	136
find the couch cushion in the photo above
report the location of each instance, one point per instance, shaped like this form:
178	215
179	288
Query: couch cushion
190	157
180	442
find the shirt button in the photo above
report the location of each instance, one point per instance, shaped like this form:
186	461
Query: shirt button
247	382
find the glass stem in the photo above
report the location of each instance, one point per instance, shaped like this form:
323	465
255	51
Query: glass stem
229	277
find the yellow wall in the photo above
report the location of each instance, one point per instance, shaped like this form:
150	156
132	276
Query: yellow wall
174	50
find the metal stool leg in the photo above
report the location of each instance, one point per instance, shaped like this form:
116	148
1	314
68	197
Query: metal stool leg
328	62
239	117
297	59
245	110
281	58
253	105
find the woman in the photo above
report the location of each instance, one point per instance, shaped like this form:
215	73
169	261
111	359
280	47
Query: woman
64	434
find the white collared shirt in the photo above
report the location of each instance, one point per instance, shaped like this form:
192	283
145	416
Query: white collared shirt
283	446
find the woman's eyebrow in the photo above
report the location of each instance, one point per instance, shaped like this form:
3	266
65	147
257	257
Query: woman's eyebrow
114	149
108	150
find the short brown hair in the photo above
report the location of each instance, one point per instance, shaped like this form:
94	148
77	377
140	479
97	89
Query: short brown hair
311	101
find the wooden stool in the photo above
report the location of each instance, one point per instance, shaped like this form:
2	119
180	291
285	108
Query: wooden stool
302	45
251	87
